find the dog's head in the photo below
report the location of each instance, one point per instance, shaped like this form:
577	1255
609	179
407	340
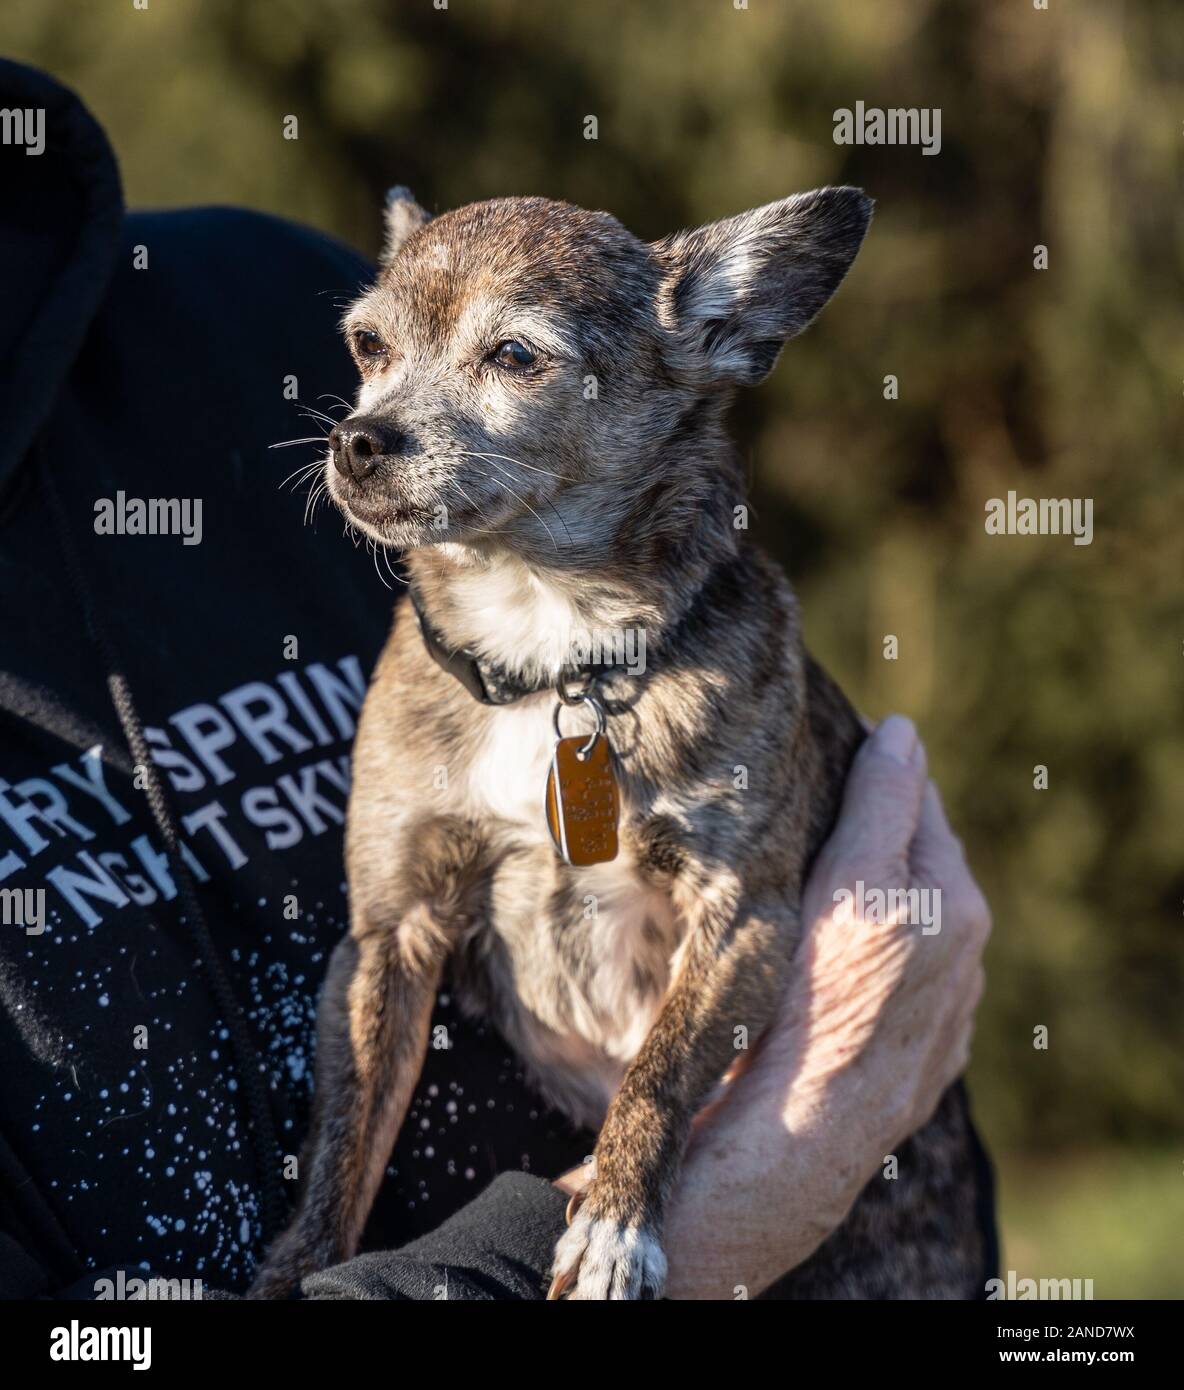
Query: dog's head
536	377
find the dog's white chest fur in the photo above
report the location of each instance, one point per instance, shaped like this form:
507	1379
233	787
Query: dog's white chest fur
507	779
578	1028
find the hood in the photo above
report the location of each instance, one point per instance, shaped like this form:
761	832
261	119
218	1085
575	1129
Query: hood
60	225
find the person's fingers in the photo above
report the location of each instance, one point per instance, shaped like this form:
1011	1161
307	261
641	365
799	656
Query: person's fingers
934	841
950	1050
932	826
958	1057
884	790
936	856
971	998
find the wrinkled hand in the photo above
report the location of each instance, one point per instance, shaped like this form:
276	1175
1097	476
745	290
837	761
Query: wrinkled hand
876	1024
889	1007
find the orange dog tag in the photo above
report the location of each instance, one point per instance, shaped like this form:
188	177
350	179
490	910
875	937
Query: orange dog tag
583	802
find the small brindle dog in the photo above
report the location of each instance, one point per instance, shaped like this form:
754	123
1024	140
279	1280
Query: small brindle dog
607	855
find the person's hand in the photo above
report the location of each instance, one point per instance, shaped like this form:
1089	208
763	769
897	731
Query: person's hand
875	1025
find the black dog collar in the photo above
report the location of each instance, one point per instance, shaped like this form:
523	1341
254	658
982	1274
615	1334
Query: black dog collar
485	681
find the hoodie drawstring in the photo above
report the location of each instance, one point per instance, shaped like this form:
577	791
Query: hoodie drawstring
274	1206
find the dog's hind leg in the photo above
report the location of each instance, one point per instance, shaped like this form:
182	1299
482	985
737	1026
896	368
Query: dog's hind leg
372	1031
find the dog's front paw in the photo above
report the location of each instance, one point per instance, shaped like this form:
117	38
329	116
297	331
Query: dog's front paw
274	1283
287	1262
602	1258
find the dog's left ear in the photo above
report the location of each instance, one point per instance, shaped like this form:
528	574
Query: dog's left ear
736	291
403	215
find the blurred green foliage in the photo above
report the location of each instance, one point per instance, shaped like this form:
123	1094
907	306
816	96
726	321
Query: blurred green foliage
1114	1217
1059	127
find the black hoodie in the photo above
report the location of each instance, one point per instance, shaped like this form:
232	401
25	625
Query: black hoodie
157	356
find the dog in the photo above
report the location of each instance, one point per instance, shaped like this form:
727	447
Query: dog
608	856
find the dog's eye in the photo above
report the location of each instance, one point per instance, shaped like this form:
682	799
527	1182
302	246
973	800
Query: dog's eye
368	344
513	354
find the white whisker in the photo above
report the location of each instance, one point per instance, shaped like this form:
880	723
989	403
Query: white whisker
372	547
529	508
527	505
478	530
303	472
317	493
308	439
534	468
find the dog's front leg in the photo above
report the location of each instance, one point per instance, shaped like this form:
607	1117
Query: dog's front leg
730	978
372	1029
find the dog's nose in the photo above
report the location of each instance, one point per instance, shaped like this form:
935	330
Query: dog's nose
358	445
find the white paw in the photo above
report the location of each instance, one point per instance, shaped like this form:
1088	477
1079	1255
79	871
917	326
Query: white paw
599	1259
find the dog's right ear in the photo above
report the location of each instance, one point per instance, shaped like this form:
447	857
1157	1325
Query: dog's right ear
403	216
